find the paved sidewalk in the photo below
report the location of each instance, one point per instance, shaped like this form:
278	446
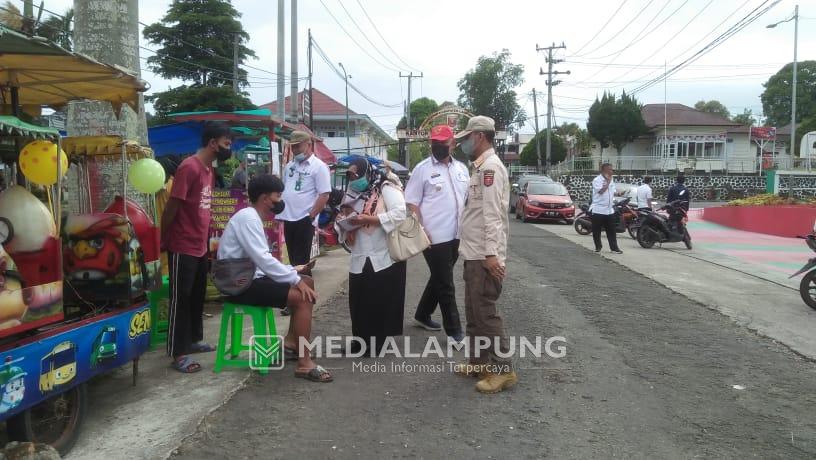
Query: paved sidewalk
153	418
729	277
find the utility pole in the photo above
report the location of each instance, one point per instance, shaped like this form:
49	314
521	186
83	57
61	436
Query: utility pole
410	77
535	117
311	104
550	83
281	60
793	96
293	102
235	44
346	76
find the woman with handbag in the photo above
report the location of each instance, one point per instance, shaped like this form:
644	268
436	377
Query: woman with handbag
248	273
374	206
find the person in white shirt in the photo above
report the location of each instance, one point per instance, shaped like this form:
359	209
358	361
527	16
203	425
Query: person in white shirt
603	209
308	184
374	206
275	284
436	193
644	194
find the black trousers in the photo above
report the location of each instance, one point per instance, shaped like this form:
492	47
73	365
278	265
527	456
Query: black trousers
607	223
440	289
188	288
377	303
299	235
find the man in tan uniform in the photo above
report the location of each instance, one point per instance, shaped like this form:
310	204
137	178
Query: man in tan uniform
484	231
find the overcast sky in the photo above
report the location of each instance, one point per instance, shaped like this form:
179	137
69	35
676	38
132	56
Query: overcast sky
443	39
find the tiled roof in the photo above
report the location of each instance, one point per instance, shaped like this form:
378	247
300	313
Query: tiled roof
323	104
681	115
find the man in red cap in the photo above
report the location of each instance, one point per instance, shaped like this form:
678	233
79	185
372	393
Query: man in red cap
436	193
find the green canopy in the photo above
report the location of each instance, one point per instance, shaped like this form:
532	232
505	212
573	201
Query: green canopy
12	126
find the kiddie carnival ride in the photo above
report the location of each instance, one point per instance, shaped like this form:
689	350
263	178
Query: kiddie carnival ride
72	280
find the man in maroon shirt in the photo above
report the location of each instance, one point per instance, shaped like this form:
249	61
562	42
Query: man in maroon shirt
185	234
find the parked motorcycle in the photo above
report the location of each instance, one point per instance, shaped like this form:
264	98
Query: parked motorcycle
807	287
659	228
627	222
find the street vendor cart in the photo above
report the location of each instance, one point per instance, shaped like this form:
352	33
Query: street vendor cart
56	332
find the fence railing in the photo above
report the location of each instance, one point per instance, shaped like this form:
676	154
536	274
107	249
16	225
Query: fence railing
580	165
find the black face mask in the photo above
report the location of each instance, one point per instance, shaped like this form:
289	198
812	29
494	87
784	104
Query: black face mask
223	154
278	207
439	151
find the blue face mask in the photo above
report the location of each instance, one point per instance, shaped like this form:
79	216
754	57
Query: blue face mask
300	157
467	147
359	185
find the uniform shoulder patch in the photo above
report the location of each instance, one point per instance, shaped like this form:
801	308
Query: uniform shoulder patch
487	177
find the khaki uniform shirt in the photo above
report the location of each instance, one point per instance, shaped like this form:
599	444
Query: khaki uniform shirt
484	223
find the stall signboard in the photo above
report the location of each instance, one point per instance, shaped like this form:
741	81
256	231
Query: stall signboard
36	369
225	203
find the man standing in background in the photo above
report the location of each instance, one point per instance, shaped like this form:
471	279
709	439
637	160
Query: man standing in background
307	186
436	194
185	230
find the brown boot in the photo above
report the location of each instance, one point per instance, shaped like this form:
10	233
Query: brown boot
494	383
469	370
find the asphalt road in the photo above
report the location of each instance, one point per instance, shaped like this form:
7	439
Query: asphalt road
647	374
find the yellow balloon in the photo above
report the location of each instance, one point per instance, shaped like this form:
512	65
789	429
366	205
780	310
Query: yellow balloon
38	161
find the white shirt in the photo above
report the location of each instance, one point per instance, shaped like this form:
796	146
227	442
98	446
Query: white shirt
374	246
644	196
439	190
244	237
303	182
602	203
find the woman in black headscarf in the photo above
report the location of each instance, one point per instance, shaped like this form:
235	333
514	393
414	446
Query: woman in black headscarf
374	205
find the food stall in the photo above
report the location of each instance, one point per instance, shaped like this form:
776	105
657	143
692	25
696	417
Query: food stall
72	280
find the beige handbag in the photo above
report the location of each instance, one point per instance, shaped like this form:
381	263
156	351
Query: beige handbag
408	239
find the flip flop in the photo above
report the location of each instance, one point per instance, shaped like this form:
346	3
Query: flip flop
201	347
315	375
186	365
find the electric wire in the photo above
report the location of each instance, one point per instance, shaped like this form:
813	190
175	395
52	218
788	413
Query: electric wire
578	52
376	29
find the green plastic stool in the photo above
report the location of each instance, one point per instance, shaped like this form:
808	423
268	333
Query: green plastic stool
159	298
263	323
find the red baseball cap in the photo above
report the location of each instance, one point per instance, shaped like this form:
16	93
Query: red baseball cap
441	133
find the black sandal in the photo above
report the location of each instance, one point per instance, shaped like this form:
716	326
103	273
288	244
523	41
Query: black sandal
315	374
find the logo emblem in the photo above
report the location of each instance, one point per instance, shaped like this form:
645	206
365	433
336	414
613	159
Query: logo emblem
488	176
265	352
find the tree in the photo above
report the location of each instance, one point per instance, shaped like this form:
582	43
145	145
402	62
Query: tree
614	121
420	109
195	40
55	28
776	99
196	99
746	118
572	133
713	106
489	89
529	155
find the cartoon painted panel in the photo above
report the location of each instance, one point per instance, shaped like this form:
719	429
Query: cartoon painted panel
103	261
30	278
12	385
58	368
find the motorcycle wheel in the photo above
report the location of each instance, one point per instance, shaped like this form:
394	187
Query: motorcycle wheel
580	227
646	237
633	229
807	289
687	239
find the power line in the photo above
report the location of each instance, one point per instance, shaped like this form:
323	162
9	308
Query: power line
692	46
328	61
366	36
638	38
577	53
355	41
660	66
376	29
615	35
733	30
